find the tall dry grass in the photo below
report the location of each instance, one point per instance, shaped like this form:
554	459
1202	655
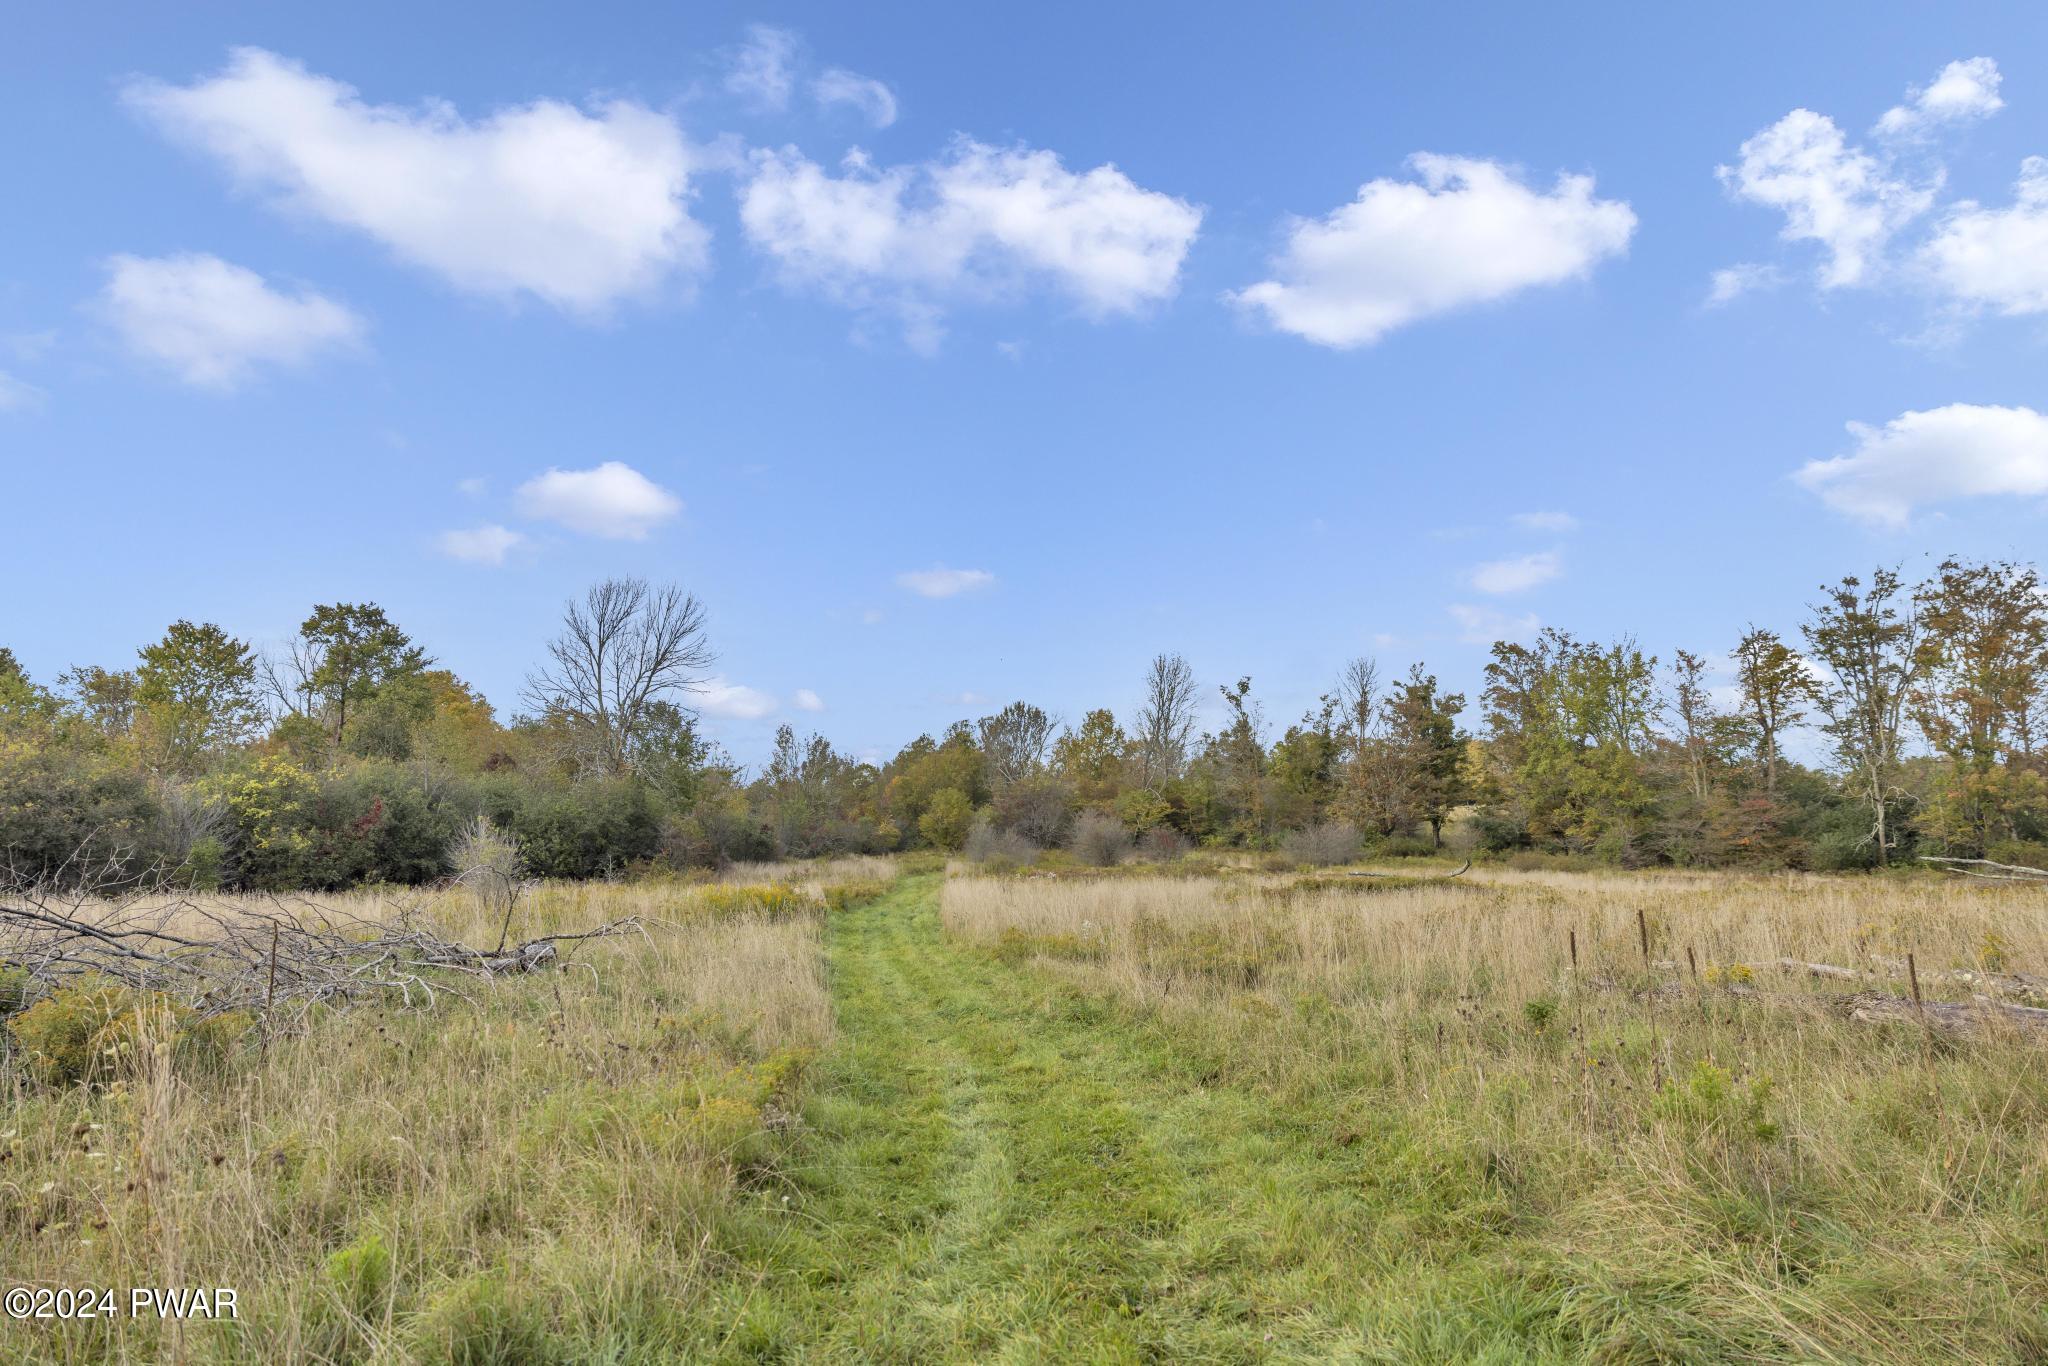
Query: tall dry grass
553	1162
1684	1171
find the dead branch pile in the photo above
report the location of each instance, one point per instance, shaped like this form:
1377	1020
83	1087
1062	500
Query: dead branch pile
278	961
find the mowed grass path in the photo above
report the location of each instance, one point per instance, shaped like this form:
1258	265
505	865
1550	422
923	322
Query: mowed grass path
1002	1168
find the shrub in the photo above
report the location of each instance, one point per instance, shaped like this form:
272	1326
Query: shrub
1163	844
949	819
996	848
54	803
1407	846
1320	846
88	1032
1099	839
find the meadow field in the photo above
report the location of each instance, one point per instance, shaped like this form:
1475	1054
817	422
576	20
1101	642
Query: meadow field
864	1110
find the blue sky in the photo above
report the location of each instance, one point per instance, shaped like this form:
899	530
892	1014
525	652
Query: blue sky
1268	338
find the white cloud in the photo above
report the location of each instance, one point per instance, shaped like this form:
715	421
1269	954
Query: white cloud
1484	625
975	222
1562	523
871	617
1831	193
481	545
806	700
472	487
1998	258
875	101
578	209
18	394
1516	575
613	500
735	701
214	323
758	71
941	582
1962	91
1745	277
1964	450
1468	233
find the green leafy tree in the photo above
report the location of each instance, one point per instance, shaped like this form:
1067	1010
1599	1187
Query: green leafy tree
197	695
1422	724
345	655
1868	638
1981	697
1776	690
1093	758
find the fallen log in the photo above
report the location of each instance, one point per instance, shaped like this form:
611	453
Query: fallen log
1864	1007
1463	868
1956	1017
2001	872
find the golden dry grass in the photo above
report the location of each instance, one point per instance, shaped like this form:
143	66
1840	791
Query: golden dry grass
1684	1171
560	1156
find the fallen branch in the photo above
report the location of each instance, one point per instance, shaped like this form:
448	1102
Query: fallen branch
2002	872
279	964
1463	868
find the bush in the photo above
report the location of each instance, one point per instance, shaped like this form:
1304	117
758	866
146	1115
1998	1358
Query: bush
996	848
1163	844
1099	839
54	803
90	1031
1323	845
1407	846
948	821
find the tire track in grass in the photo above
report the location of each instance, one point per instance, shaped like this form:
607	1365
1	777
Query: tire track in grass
1003	1168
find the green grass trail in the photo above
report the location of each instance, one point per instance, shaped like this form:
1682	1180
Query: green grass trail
1003	1168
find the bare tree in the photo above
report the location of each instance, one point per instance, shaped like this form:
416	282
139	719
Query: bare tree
1166	721
623	648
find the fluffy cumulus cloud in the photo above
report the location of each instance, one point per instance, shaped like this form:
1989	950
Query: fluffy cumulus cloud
1516	575
1830	192
869	97
488	544
941	582
612	500
1854	201
1997	258
733	701
806	700
213	323
1465	232
1918	459
1963	91
580	209
973	223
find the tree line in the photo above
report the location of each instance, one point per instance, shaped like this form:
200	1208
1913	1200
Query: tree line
353	755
